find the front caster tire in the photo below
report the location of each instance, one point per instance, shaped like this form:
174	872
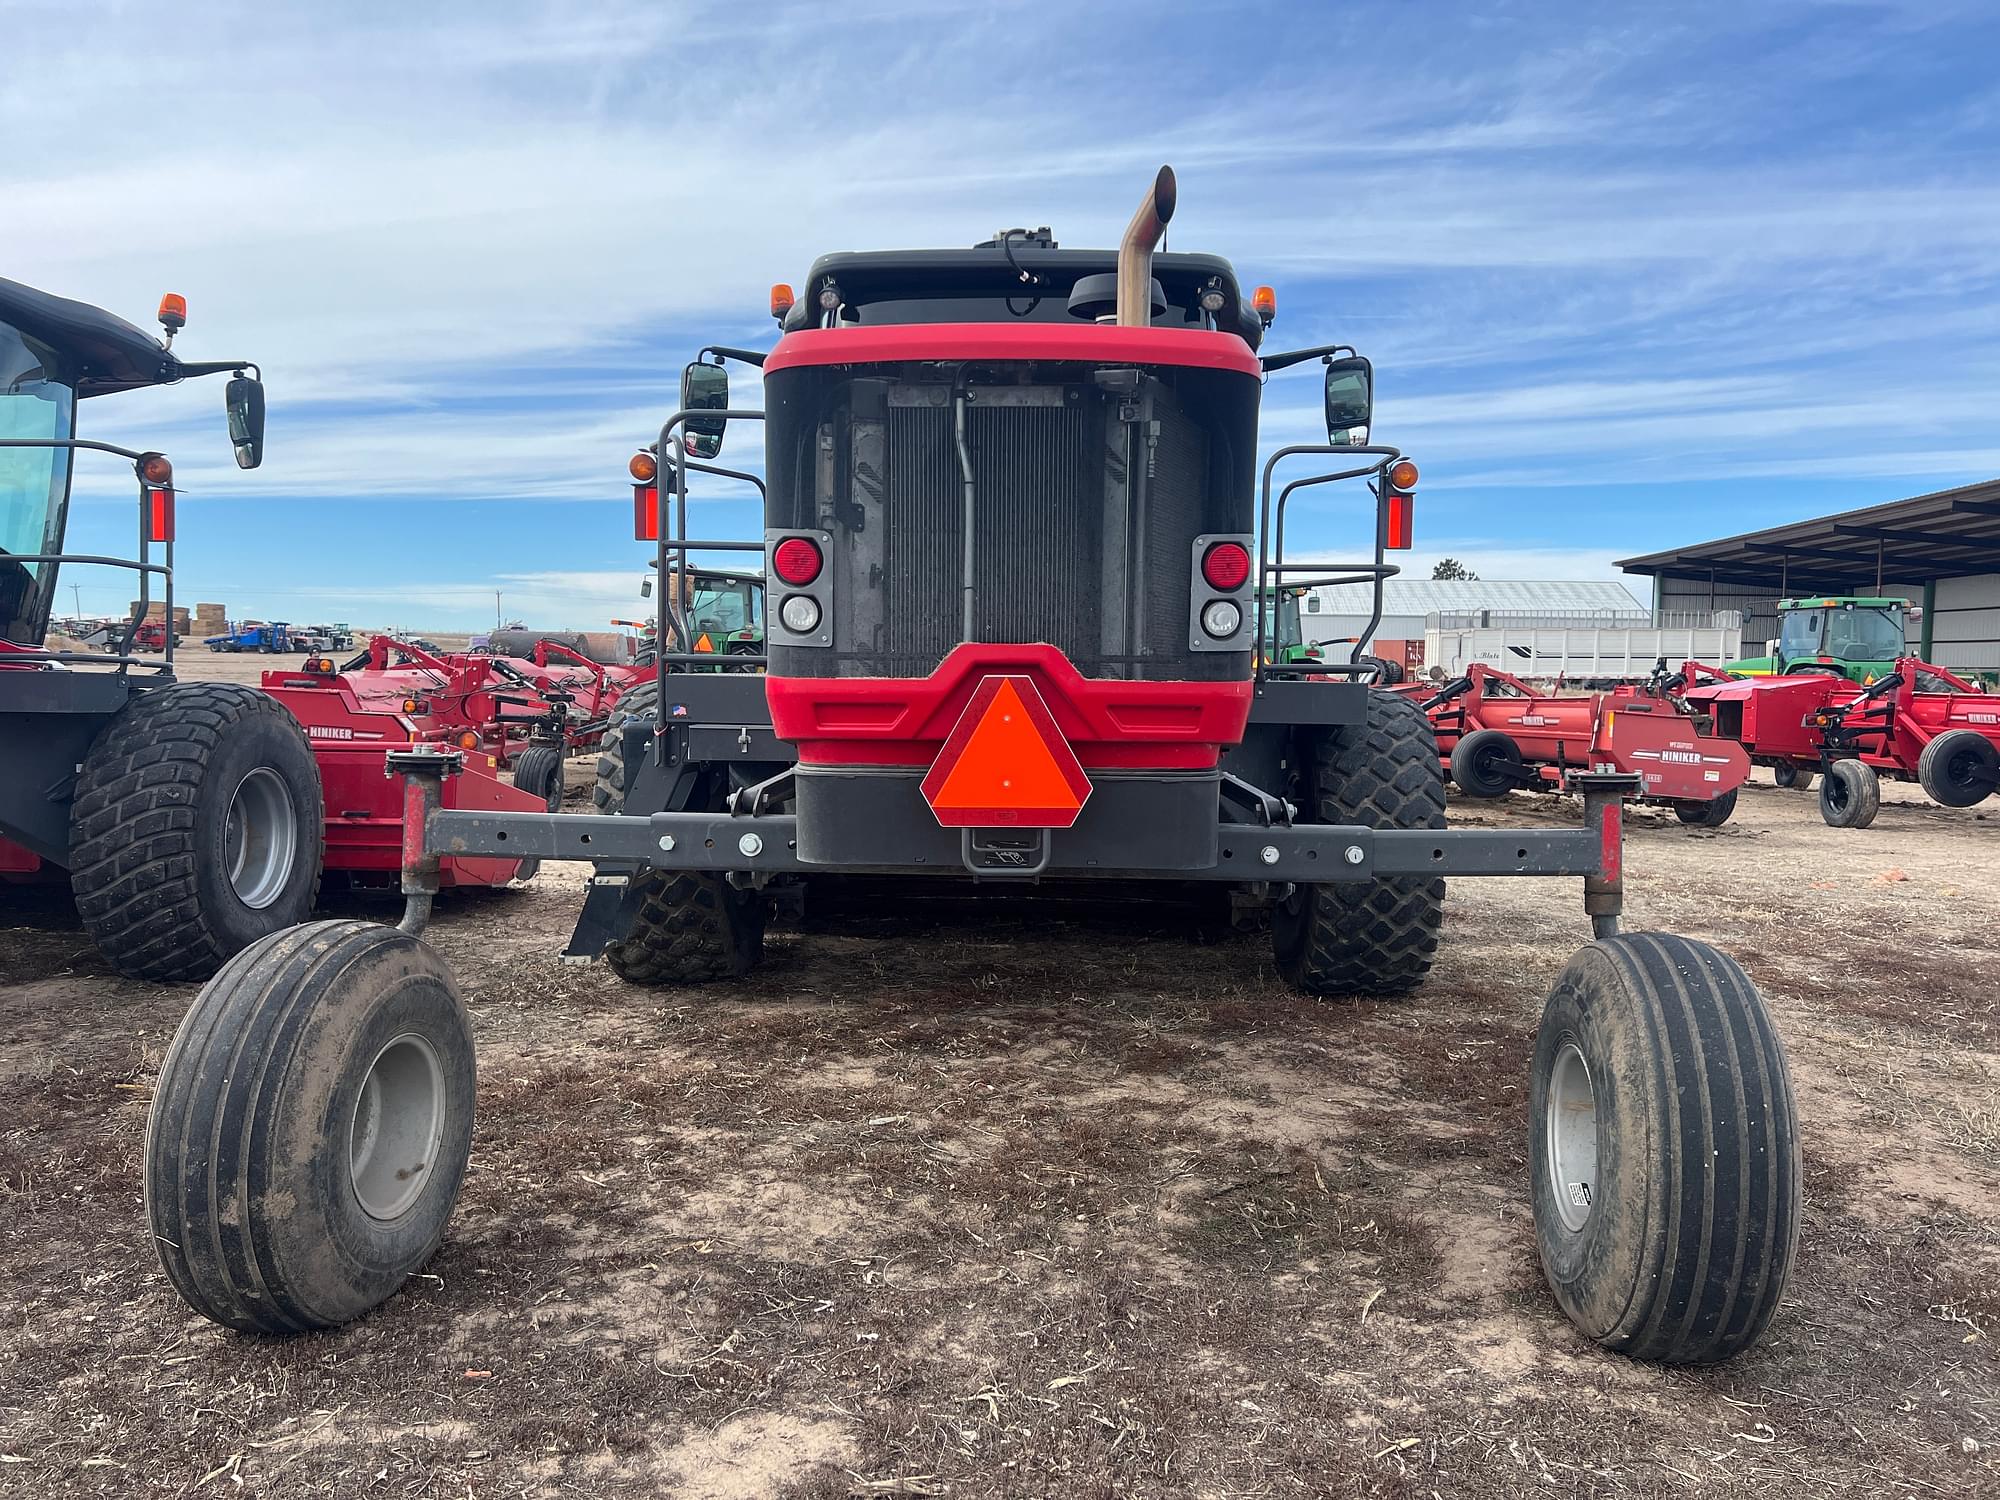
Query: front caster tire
1711	814
538	771
1850	796
310	1128
1664	1152
690	927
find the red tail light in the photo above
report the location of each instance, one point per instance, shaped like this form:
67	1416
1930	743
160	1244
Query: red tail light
796	561
159	515
1399	521
1226	566
646	512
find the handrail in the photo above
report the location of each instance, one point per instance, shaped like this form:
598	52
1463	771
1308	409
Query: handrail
673	539
1271	547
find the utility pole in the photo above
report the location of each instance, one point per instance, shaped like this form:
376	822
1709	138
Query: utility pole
496	609
76	593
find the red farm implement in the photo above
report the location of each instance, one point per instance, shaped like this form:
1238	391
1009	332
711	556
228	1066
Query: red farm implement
1496	733
351	719
1918	723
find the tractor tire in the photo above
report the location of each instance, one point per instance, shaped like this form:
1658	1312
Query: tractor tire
1387	673
198	828
1486	763
690	927
1370	937
1958	768
1850	796
1663	1150
641	702
310	1128
1711	814
538	771
1792	776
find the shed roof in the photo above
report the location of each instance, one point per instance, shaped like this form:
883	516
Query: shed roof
1949	534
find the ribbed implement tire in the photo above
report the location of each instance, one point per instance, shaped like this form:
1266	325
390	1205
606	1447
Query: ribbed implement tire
690	927
262	1135
1711	814
1850	795
148	827
1956	769
641	702
1487	763
1372	937
1691	1222
538	771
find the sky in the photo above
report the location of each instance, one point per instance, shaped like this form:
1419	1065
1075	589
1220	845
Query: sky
1629	276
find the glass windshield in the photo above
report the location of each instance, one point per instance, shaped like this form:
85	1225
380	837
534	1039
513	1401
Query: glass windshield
34	481
1864	634
1282	616
1801	633
725	608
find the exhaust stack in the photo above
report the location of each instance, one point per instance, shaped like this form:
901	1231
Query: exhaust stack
1135	252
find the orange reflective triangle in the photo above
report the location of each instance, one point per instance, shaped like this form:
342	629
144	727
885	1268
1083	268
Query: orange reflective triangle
1006	764
703	643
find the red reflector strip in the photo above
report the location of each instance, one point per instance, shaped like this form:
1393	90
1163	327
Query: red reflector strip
646	512
159	515
1006	763
1399	523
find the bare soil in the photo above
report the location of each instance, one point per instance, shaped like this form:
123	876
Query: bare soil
1053	1203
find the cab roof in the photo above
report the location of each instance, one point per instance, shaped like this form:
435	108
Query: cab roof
99	352
984	284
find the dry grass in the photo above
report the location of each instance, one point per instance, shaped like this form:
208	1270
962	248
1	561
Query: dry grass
972	1207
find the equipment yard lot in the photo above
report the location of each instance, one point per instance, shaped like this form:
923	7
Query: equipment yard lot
940	1210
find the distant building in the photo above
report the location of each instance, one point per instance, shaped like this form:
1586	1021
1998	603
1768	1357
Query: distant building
1340	613
1940	551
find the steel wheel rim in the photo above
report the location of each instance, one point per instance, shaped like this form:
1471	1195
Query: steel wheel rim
260	838
398	1123
1572	1138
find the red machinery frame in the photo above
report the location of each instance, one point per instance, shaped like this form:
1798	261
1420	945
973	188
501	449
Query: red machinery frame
1536	740
1813	721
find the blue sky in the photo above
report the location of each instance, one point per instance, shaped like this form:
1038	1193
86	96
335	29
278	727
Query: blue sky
1629	275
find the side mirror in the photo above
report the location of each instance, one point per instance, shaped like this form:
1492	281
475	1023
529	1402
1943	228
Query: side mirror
1770	648
245	399
704	388
645	588
1350	400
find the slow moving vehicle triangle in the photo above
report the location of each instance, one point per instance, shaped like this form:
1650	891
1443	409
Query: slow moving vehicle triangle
1006	764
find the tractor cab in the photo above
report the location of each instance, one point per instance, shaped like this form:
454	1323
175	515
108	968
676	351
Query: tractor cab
1848	636
1283	635
53	354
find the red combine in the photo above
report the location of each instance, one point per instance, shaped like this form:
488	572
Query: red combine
1496	733
1919	723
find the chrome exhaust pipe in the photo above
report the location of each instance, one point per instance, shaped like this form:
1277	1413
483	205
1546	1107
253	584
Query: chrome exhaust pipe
1135	252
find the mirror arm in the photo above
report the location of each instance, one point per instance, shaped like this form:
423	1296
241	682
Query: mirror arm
217	367
1275	362
723	351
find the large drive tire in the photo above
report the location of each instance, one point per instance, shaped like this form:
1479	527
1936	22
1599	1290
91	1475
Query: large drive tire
1663	1148
310	1128
691	926
1850	796
1792	776
640	702
198	828
1486	763
1710	814
1957	769
1373	937
538	771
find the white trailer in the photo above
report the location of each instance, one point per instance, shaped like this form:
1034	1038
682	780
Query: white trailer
1581	652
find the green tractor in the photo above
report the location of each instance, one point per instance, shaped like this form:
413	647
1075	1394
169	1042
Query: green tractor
1283	638
1851	636
723	612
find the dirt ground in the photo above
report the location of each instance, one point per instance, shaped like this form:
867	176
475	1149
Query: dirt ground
1052	1204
